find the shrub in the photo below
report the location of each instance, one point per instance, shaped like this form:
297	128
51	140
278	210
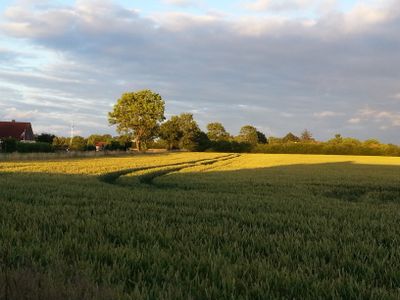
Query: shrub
329	148
9	145
229	146
34	147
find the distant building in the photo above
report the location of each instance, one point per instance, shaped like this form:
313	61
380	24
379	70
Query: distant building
100	146
21	131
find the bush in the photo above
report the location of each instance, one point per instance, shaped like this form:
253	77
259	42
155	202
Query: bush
329	148
115	146
9	145
90	148
229	146
34	147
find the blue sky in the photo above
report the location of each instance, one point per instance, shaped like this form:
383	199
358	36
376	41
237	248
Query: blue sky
329	66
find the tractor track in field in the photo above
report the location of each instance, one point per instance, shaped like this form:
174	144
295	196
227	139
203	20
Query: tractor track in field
112	177
149	177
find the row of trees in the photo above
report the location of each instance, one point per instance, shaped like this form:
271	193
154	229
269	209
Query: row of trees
141	115
174	134
46	142
179	132
140	120
79	143
337	145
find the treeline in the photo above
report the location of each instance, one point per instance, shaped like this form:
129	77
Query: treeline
140	121
46	143
105	142
141	114
336	146
182	132
172	135
11	145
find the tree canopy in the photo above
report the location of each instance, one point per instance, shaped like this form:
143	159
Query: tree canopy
45	138
261	138
138	114
95	138
182	132
290	138
248	134
171	133
306	136
216	132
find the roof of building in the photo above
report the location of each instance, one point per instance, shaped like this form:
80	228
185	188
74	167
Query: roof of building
15	130
101	144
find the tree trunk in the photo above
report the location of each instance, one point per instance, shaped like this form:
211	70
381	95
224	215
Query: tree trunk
138	144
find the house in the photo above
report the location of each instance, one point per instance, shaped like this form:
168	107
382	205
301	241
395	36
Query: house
100	146
21	131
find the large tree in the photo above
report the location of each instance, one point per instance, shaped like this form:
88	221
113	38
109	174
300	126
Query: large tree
183	132
216	132
190	132
138	114
248	134
171	133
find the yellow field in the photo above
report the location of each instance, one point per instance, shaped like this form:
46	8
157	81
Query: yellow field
96	166
102	165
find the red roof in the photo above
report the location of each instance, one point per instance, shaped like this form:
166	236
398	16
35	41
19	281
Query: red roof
101	144
16	130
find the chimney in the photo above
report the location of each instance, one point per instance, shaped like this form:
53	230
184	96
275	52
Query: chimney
13	121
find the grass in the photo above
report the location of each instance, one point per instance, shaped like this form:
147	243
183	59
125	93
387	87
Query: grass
200	226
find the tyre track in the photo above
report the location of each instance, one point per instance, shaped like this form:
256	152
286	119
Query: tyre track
149	177
112	177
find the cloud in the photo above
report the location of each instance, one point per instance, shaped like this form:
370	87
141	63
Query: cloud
279	69
13	114
385	119
327	114
279	5
182	3
354	120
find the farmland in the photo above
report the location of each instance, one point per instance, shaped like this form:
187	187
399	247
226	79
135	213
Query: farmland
201	226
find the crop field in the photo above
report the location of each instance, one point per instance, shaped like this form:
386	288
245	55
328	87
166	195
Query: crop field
200	226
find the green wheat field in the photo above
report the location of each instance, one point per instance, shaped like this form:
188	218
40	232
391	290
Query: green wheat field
200	226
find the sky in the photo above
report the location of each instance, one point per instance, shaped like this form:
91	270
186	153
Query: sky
329	66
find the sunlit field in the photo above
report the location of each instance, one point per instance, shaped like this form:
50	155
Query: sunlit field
201	226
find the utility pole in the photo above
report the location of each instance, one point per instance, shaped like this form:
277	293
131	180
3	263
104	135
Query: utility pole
72	134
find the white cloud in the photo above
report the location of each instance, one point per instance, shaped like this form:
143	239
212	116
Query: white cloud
183	3
12	113
386	119
279	5
253	108
354	120
364	15
327	114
